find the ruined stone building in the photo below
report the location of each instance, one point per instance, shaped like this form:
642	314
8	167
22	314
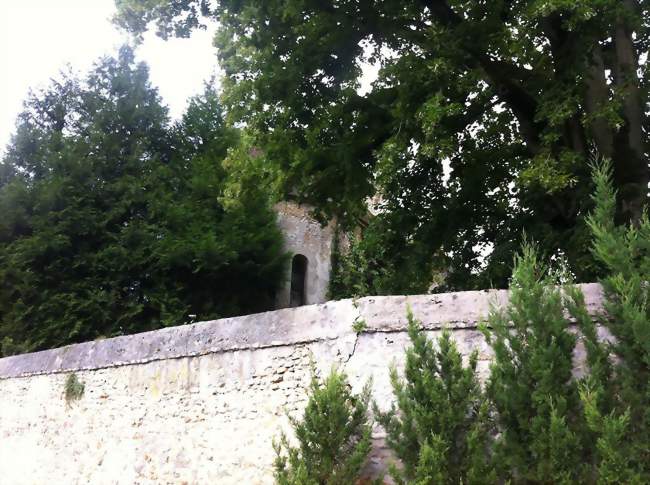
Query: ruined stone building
310	245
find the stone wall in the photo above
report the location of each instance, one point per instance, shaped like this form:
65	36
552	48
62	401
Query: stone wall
201	404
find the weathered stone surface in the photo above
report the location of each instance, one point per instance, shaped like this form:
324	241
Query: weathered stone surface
202	403
306	236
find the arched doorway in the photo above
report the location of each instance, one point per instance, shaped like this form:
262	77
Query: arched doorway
298	296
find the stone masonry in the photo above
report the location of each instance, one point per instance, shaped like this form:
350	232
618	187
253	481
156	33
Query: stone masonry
201	404
306	236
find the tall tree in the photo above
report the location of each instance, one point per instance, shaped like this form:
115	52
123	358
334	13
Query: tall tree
511	95
113	221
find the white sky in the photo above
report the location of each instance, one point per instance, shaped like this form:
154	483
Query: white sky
39	37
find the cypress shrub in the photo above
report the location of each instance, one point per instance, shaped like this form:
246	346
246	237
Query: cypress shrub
333	437
616	393
439	426
537	401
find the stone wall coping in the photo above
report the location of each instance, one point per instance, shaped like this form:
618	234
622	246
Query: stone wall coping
286	327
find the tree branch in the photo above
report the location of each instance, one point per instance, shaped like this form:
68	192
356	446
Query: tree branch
506	77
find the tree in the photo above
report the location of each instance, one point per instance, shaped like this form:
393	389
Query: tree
112	221
512	96
74	236
333	436
220	252
439	428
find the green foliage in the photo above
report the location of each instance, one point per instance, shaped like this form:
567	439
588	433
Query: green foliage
537	422
614	463
73	389
378	263
333	437
359	326
537	403
479	124
440	426
617	393
115	222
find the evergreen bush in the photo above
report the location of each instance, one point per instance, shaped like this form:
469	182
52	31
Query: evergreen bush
537	421
537	402
616	393
439	427
333	437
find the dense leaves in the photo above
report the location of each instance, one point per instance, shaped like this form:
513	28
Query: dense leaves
116	222
480	123
381	262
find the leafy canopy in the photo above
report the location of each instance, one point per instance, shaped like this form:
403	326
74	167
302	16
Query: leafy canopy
480	122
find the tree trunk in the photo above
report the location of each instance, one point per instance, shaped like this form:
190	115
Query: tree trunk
631	173
597	95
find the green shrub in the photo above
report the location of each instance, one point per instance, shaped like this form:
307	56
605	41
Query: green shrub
538	407
554	427
333	437
439	427
379	262
616	395
73	388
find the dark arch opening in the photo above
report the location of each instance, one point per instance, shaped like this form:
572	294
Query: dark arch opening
298	280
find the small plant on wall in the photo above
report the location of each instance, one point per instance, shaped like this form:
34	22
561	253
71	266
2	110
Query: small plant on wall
73	389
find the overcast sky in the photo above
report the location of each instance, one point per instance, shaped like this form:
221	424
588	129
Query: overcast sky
39	37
